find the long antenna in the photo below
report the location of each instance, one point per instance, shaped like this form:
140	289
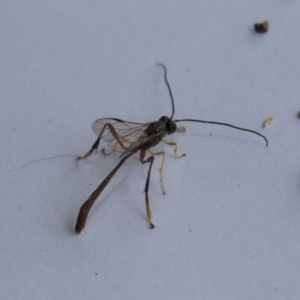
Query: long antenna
201	121
169	88
225	124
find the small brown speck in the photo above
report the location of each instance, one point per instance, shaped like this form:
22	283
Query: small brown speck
261	27
96	274
299	115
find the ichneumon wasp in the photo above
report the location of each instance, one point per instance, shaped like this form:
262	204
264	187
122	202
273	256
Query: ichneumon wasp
137	137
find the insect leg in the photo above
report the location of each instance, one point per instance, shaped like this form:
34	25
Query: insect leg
112	150
115	146
148	160
173	144
87	205
161	168
96	144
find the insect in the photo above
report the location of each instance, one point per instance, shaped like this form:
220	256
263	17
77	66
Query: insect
134	137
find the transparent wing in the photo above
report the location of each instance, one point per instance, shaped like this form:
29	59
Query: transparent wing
128	132
131	134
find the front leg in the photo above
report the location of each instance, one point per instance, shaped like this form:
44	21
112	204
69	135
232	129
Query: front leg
173	144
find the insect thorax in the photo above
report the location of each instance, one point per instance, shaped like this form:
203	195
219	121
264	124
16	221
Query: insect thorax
158	130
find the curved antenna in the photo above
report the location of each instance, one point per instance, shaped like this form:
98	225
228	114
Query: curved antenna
225	124
169	88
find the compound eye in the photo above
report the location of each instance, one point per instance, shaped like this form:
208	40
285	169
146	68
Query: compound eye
171	127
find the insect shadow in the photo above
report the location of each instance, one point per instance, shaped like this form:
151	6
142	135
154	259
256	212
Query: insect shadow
134	137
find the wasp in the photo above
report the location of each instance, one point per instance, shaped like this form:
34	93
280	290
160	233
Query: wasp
134	137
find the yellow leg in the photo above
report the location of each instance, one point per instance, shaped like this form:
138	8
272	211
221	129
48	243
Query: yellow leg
112	150
161	168
173	144
149	215
85	156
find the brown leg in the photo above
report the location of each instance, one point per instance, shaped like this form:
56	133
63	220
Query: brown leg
148	160
87	205
96	144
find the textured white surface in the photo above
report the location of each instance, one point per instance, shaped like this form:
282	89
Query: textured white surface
228	227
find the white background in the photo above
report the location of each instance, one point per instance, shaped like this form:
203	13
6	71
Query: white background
228	227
